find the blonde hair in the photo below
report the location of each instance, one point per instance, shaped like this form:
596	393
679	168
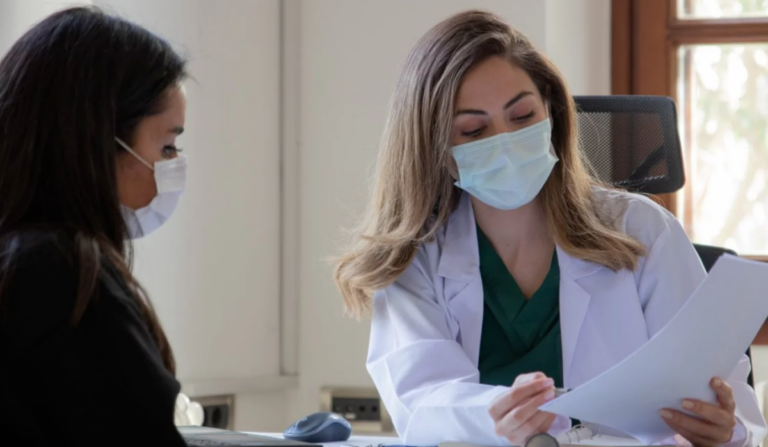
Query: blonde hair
414	191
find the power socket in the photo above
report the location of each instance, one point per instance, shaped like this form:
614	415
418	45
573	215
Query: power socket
216	416
362	407
357	408
219	411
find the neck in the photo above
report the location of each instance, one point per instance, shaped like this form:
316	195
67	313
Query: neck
514	231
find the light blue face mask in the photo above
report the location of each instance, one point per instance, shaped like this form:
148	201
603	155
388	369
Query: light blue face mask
508	170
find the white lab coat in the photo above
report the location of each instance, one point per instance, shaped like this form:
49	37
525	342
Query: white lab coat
426	327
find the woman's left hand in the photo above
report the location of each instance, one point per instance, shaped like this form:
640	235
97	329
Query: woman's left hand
715	423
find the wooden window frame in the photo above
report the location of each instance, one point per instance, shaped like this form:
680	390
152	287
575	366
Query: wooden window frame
645	38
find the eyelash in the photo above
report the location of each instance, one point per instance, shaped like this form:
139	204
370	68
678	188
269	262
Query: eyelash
172	149
477	132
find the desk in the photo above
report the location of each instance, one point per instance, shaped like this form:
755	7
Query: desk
354	441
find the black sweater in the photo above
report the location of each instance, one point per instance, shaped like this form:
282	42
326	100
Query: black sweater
100	383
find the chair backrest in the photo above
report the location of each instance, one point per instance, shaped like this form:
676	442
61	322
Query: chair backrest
709	254
632	142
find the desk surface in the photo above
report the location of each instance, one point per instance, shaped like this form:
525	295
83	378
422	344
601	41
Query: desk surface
354	441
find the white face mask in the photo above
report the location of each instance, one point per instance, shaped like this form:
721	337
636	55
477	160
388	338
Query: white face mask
507	171
171	179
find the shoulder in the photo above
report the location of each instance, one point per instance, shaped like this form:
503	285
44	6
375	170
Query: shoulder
635	215
50	253
49	256
452	251
38	280
418	276
40	277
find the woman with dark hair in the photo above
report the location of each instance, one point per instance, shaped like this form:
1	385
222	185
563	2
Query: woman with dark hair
90	108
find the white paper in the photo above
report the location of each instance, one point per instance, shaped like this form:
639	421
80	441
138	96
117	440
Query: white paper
705	339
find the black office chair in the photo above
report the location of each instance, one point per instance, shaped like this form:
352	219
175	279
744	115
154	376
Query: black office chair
709	255
632	142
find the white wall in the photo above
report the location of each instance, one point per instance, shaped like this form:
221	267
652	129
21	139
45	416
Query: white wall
578	39
351	52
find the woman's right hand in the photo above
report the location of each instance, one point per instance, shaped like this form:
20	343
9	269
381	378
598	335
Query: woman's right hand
516	413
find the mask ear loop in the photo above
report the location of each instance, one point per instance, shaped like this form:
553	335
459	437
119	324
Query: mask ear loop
131	151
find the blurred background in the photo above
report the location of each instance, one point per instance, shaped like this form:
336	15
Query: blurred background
286	106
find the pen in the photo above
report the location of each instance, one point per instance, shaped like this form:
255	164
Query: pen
560	391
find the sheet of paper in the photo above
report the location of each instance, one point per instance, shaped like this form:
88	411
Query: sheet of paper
706	339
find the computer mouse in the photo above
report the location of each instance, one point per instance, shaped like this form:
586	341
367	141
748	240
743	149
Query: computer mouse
319	428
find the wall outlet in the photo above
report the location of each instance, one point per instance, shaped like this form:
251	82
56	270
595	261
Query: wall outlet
362	407
219	411
357	408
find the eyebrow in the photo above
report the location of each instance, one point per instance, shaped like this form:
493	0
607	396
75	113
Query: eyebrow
509	104
178	130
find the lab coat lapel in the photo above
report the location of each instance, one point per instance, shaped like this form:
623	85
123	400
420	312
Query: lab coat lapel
460	259
574	304
459	267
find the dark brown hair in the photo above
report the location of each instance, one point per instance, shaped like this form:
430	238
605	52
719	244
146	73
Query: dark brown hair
68	87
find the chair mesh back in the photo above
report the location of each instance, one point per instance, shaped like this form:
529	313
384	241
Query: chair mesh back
632	141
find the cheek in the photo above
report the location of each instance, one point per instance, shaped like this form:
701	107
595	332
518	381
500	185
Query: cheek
135	183
458	139
150	151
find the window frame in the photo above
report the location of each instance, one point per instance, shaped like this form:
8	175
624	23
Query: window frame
645	39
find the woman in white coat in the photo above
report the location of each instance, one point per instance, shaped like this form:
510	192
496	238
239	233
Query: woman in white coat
496	268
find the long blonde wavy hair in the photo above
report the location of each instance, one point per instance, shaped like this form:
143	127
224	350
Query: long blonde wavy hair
414	192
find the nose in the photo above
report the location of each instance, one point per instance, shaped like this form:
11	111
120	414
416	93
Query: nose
500	124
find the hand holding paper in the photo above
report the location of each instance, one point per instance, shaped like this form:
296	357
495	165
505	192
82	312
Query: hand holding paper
710	424
515	413
706	339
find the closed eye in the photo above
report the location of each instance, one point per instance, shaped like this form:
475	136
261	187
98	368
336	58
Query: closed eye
473	133
524	117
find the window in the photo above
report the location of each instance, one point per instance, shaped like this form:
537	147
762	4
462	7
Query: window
721	9
722	95
712	57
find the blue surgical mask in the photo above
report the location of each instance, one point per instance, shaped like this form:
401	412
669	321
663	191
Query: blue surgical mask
508	170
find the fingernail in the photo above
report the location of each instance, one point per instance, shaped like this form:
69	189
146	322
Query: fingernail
666	414
548	383
717	383
550	395
688	405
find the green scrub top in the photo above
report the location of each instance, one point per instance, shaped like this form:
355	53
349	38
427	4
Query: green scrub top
519	335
